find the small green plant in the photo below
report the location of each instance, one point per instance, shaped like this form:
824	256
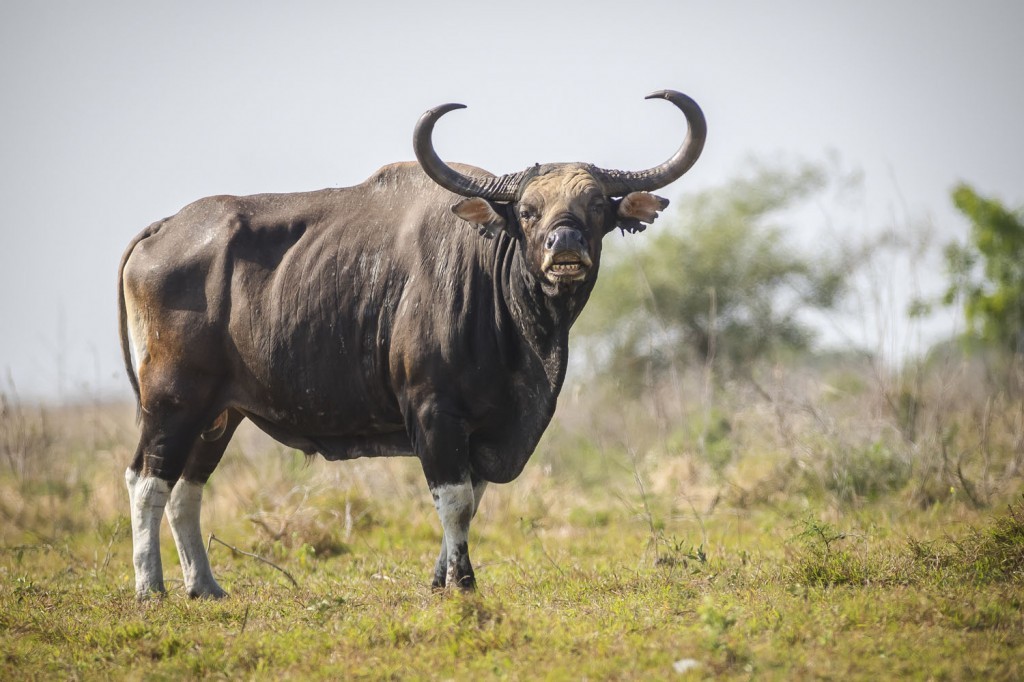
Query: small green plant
819	536
679	552
822	562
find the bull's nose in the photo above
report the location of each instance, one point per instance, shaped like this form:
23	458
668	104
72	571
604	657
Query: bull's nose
565	239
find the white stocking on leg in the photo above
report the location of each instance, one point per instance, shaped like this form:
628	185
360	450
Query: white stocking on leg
148	496
183	515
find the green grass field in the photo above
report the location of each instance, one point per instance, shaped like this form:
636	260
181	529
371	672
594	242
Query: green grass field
603	561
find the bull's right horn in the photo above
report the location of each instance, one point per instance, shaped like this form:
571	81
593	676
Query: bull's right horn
504	188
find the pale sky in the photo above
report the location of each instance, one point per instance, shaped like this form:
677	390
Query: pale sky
117	114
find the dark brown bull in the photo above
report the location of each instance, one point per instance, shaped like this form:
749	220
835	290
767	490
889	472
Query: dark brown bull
367	321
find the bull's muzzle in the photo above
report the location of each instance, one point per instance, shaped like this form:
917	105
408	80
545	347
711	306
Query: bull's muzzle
566	256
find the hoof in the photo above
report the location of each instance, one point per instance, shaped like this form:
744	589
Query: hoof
150	595
205	587
218	593
439	580
466	583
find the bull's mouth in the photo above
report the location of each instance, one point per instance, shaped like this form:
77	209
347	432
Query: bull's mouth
566	266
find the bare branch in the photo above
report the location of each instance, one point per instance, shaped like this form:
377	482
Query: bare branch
214	538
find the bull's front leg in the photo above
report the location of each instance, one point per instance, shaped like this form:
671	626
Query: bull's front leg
454	503
441	567
443	447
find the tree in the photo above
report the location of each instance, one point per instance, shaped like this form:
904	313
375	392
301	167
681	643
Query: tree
987	272
722	282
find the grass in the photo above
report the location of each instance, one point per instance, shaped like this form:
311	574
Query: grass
646	559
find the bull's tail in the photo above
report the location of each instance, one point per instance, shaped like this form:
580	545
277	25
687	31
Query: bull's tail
122	316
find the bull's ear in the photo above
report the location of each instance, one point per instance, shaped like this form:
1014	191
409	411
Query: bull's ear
637	208
481	214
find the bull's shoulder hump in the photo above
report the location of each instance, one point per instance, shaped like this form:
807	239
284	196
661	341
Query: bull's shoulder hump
225	207
411	172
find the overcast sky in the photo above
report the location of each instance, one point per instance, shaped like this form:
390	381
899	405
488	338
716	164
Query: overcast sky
116	114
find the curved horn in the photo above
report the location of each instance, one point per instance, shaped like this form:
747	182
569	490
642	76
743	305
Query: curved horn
502	188
618	183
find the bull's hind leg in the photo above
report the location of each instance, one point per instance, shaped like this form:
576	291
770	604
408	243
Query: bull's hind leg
147	498
168	433
185	503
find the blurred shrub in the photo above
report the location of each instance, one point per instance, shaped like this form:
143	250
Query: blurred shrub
866	473
26	437
987	273
720	281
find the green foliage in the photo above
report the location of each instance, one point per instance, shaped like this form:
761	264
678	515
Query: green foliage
719	279
987	272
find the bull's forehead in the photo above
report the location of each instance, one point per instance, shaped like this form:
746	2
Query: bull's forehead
563	186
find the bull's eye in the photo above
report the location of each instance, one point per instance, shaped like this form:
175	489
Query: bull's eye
526	214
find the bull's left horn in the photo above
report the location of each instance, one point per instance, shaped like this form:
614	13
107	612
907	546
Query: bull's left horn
503	188
619	183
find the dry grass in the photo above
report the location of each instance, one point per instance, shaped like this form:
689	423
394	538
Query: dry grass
789	526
